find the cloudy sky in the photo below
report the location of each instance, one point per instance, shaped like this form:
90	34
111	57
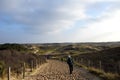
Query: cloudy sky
48	21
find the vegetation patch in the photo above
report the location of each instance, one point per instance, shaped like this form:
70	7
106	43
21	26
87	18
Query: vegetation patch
2	69
104	75
100	73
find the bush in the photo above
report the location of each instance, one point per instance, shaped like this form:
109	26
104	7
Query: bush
17	47
2	69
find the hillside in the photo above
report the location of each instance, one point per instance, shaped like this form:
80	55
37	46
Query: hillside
108	59
14	55
111	54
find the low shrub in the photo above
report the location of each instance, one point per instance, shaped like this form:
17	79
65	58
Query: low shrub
2	69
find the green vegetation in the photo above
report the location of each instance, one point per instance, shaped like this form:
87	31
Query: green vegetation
14	55
8	46
75	49
102	74
45	50
108	53
109	63
109	58
2	69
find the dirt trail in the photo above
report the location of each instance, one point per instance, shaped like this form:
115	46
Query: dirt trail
56	70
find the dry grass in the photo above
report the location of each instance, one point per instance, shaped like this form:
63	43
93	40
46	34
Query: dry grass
104	75
100	73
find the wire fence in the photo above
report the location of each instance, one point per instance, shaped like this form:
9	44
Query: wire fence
109	66
24	69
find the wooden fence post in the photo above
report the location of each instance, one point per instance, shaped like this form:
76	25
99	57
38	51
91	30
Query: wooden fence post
74	59
9	72
38	62
81	60
89	63
36	65
32	65
23	70
119	67
77	60
100	65
17	73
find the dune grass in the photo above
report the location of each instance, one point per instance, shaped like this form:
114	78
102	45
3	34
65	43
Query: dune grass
104	75
100	73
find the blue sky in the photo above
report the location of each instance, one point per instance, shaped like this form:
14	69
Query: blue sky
49	21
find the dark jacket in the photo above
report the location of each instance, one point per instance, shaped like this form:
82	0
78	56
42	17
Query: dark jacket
70	61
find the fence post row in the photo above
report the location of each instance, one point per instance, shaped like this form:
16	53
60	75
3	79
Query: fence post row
99	65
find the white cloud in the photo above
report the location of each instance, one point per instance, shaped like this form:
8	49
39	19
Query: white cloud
106	29
44	16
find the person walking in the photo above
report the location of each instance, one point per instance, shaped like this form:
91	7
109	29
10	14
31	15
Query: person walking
70	63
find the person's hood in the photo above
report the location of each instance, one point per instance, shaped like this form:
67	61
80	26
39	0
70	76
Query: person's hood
69	56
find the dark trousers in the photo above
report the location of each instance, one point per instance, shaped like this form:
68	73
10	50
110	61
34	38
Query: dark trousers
70	68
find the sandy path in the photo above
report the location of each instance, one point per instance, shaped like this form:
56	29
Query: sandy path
56	70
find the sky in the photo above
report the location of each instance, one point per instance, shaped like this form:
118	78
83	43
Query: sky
57	21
